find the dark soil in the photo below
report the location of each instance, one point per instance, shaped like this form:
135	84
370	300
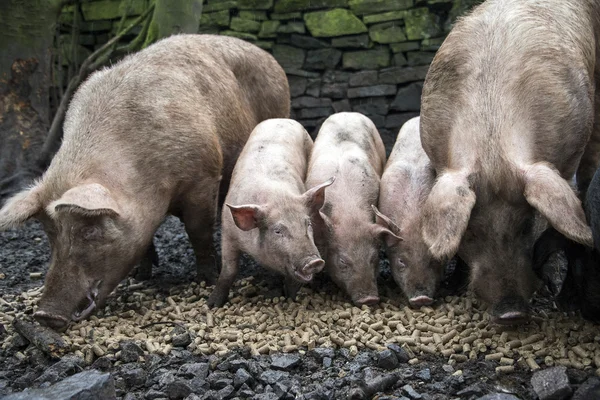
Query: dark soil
318	374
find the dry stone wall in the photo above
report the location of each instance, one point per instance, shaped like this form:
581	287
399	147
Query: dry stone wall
369	56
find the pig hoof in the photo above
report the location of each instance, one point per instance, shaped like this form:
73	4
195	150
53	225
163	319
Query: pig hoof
56	322
367	301
216	300
421	300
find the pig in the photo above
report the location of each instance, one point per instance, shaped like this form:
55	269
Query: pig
268	214
348	146
406	181
507	119
154	134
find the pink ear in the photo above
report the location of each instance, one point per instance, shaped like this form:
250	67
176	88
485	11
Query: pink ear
386	228
315	197
246	216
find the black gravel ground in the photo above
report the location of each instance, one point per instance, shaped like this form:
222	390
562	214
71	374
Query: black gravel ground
321	373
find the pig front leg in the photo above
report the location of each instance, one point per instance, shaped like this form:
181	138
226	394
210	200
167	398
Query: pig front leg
144	270
291	287
229	270
199	215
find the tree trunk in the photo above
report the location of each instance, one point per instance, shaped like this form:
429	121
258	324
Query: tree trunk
174	16
25	77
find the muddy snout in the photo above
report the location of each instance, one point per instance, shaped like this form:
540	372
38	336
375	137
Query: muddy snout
512	310
420	300
54	321
306	272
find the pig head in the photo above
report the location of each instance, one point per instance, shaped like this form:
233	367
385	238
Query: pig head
93	244
495	234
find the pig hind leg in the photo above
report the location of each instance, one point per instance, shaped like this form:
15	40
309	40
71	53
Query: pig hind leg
199	213
231	260
144	269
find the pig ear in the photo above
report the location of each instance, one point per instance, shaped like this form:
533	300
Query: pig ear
552	196
246	217
315	197
88	200
446	214
390	231
20	208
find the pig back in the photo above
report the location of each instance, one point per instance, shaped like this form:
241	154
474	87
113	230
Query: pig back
273	160
513	83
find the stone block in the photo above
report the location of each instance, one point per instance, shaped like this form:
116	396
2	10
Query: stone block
408	98
286	6
254	15
372	91
292	27
307	42
400	75
367	59
419	57
288	56
404	46
362	7
268	29
219	6
336	22
322	58
297	85
310	102
387	32
255	4
334	90
219	18
384	17
421	24
363	78
244	25
355	41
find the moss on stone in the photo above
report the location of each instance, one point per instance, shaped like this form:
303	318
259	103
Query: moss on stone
263	44
388	32
286	16
336	22
384	17
286	6
244	25
268	29
405	46
240	35
223	5
111	9
219	18
421	24
367	59
292	27
361	7
254	15
255	4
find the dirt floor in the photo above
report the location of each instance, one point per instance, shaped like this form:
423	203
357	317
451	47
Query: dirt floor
311	371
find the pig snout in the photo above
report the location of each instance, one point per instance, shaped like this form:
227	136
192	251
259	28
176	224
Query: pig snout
54	321
420	300
368	300
309	269
58	317
511	310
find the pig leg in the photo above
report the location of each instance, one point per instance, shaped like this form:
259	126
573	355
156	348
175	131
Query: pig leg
144	270
291	287
231	259
199	215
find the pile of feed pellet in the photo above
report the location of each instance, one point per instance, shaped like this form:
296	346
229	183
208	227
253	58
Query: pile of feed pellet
456	328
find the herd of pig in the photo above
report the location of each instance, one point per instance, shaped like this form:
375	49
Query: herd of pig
509	125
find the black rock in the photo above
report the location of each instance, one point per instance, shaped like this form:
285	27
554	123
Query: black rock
164	377
408	98
154	394
363	78
221	383
424	374
313	87
133	376
271	376
356	41
198	385
245	393
226	392
266	396
234	365
130	352
307	42
151	361
321	352
178	389
498	396
194	370
551	383
475	389
67	366
372	91
82	386
327	362
285	362
242	377
297	85
589	390
322	58
102	364
387	359
181	340
334	90
448	368
218	380
411	392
